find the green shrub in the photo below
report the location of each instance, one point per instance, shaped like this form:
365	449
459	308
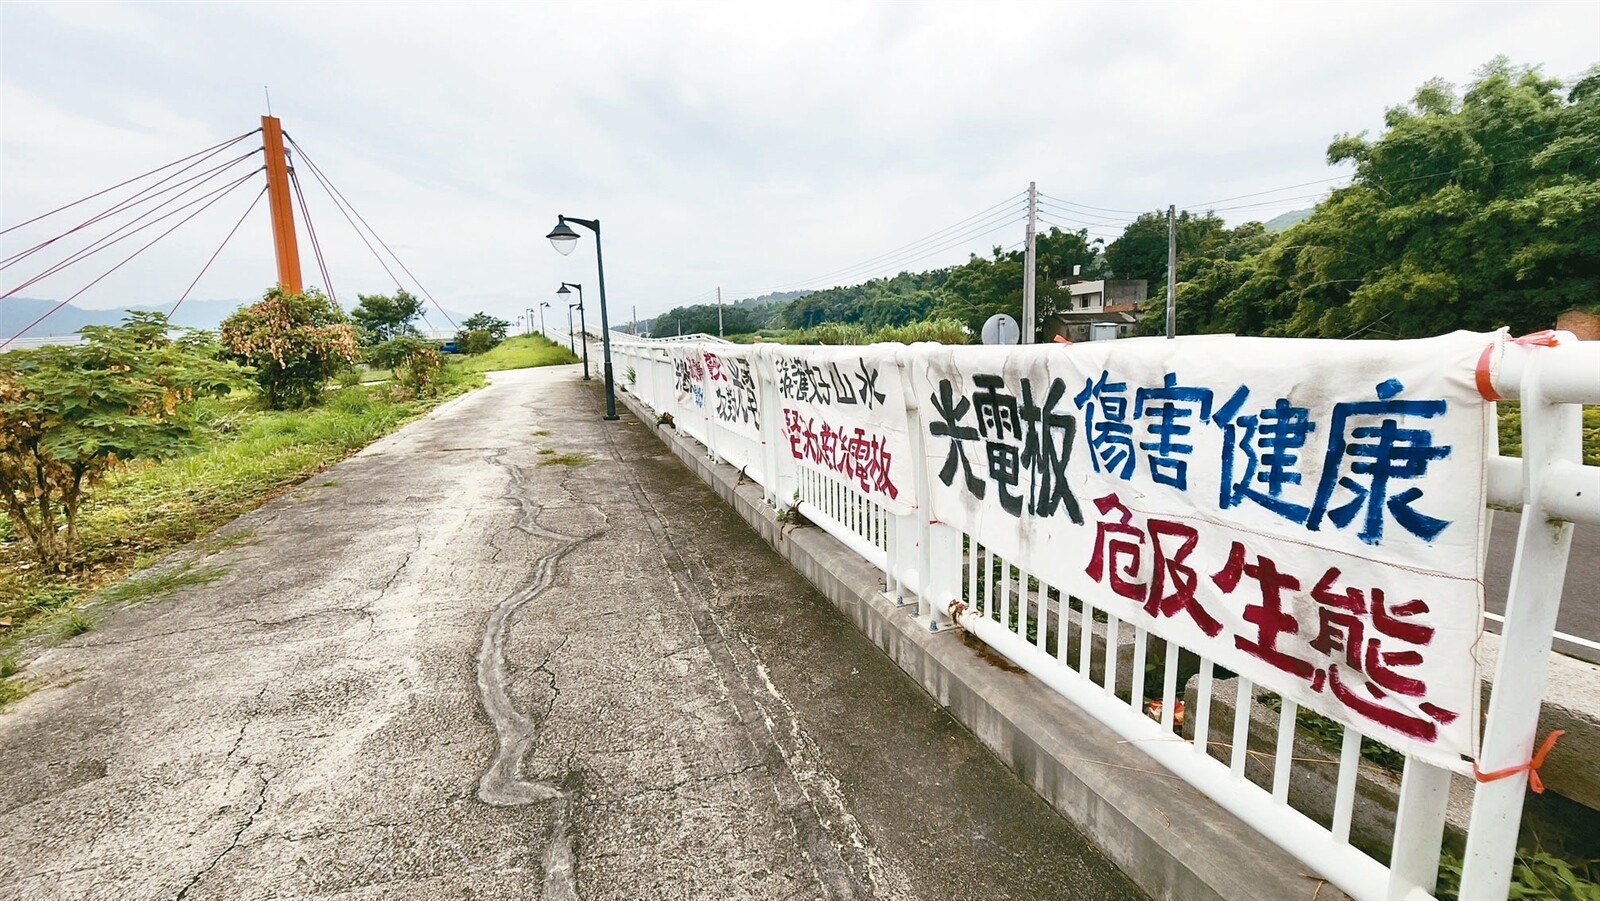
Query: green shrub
294	342
416	363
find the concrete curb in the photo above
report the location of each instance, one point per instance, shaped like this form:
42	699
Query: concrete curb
1168	837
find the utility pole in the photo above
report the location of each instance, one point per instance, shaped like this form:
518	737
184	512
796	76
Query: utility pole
719	312
283	240
1172	270
1029	326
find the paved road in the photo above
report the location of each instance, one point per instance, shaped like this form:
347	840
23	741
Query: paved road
1580	597
441	669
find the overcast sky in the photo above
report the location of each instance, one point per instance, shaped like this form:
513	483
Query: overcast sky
747	145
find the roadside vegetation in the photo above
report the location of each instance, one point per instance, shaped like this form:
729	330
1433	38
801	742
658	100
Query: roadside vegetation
117	451
1511	431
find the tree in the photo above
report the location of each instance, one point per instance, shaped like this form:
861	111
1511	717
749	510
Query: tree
1141	250
380	317
480	332
736	320
294	342
1474	209
70	414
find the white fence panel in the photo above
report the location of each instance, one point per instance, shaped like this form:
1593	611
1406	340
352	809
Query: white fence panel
1091	512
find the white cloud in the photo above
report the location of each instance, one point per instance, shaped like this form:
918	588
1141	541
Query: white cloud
747	145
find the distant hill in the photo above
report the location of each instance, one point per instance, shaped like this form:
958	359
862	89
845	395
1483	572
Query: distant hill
1284	220
16	312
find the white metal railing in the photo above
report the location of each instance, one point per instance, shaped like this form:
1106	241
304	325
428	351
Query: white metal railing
1077	648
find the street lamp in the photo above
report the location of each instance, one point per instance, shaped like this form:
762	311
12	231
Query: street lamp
564	239
542	305
563	293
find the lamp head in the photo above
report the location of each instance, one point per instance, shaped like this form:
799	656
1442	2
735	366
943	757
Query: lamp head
563	238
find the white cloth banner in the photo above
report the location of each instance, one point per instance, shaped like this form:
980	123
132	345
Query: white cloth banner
843	412
688	375
731	396
1305	513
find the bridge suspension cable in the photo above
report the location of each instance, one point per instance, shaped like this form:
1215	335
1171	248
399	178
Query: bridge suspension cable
212	150
174	311
123	232
215	196
143	196
311	231
343	203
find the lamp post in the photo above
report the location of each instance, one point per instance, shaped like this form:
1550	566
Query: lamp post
564	239
542	305
583	328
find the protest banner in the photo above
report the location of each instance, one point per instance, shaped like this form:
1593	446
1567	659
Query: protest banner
1305	513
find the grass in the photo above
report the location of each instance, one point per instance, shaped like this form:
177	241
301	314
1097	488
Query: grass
148	509
140	589
548	457
520	352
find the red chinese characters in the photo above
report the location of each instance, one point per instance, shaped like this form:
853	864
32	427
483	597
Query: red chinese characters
1350	642
1364	644
850	452
1118	549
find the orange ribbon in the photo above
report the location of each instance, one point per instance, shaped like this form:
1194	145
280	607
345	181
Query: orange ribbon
1546	338
1531	767
1485	383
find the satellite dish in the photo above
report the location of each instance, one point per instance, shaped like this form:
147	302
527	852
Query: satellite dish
1001	329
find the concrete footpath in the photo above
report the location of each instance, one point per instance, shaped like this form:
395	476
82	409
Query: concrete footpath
442	669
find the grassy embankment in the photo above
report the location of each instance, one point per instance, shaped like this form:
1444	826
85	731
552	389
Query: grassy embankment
520	352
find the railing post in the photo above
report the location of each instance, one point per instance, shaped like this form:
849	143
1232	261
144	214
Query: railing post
1418	828
1551	433
780	481
938	554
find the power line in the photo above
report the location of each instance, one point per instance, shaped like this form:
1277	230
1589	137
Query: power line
918	250
173	312
1078	224
214	147
1100	234
1208	203
328	184
124	261
965	238
1080	216
939	235
1098	209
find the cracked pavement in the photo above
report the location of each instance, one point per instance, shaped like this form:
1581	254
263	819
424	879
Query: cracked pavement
443	670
